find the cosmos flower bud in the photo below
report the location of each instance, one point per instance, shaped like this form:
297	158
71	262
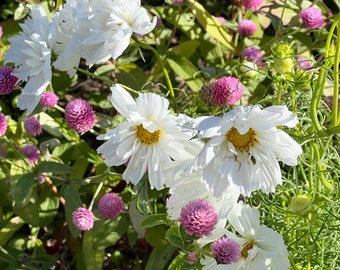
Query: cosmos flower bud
313	18
32	126
32	153
49	99
225	250
111	205
83	219
3	124
224	91
198	217
79	115
246	28
7	81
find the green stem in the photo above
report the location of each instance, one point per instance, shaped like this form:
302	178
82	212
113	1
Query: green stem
165	72
104	79
95	195
317	93
335	114
319	168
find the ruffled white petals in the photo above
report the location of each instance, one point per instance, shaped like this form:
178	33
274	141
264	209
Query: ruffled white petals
31	52
244	148
147	141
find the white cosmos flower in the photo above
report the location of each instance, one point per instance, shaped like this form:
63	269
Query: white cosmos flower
260	247
244	148
98	30
147	141
74	25
31	52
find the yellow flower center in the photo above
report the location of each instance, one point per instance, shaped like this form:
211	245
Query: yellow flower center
241	142
246	247
146	137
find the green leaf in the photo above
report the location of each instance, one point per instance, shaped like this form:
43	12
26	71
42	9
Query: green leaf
211	24
72	202
160	257
54	167
104	233
22	191
186	70
29	213
185	49
49	204
174	237
9	229
154	219
131	75
181	263
50	125
155	236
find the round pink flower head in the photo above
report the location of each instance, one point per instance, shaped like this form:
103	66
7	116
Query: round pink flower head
313	18
41	179
198	217
225	250
252	4
79	115
303	63
83	219
191	257
246	28
3	124
31	151
0	31
111	205
49	99
177	2
32	126
252	54
7	81
224	91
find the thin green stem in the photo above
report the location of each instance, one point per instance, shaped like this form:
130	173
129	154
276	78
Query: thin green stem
316	98
95	195
335	114
104	79
165	72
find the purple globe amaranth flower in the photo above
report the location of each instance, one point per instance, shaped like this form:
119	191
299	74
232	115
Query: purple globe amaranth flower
32	153
0	31
252	4
221	19
49	99
79	115
246	28
225	250
224	91
111	205
32	126
198	217
253	54
192	257
7	80
3	124
177	2
83	219
313	18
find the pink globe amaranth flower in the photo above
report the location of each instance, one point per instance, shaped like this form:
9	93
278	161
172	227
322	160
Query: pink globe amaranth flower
191	257
221	19
224	91
7	80
198	217
313	18
252	4
83	219
111	205
41	179
32	153
49	99
3	124
253	54
225	250
32	126
79	115
246	28
303	63
0	31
